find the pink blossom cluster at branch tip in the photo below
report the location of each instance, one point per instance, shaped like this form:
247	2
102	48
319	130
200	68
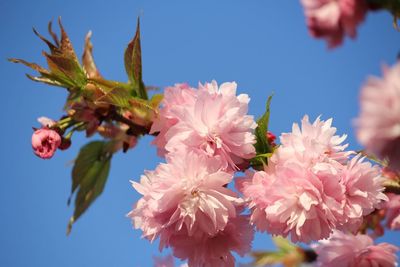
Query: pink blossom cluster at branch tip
332	20
45	141
378	124
347	250
204	134
211	120
312	185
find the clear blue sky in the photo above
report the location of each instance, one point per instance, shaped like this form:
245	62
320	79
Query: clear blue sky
262	45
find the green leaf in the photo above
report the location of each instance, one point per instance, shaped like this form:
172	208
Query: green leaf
89	176
118	97
65	45
262	146
156	100
284	244
43	79
67	68
64	68
133	64
108	85
287	254
267	258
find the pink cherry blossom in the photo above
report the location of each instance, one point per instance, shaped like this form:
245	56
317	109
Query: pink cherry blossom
215	123
215	251
186	192
364	191
298	203
378	124
392	208
347	250
175	98
332	20
45	142
311	186
255	187
312	143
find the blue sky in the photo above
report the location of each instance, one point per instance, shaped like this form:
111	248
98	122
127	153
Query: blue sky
262	45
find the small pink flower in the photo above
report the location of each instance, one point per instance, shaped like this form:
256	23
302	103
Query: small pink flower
215	251
312	142
212	121
364	191
175	98
187	192
333	19
45	142
392	208
378	124
347	250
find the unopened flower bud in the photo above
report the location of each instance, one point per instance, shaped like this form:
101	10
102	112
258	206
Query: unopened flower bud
45	142
271	138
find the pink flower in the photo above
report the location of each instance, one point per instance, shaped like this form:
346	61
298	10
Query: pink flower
392	208
333	19
298	203
215	251
312	143
214	124
175	98
347	250
187	192
45	142
255	187
310	187
378	124
364	191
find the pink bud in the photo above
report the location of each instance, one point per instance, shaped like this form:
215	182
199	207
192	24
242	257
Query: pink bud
45	142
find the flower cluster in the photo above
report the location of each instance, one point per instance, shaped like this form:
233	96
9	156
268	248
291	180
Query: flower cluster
205	135
312	185
343	249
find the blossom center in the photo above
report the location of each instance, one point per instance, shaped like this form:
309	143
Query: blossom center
212	143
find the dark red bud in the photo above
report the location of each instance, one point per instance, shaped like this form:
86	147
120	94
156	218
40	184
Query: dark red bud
271	138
